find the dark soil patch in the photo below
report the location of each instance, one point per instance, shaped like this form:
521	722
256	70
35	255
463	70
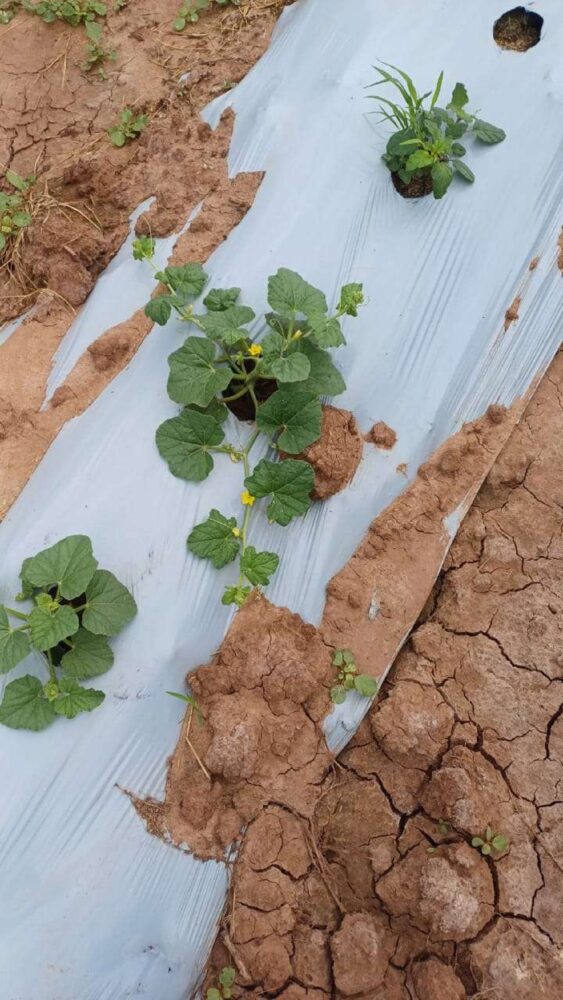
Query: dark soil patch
518	29
244	408
417	187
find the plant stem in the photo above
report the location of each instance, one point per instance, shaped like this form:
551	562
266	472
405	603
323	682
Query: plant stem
52	672
17	614
236	395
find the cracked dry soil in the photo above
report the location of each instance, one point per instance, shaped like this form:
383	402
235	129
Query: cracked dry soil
356	877
53	121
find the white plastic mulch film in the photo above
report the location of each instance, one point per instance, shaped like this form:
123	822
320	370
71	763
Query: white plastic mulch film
94	907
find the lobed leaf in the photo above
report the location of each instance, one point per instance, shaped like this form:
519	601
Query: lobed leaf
184	442
213	539
25	706
459	96
294	416
219	299
90	656
326	331
49	626
291	367
226	325
324	378
194	376
365	685
258	567
14	645
289	294
289	484
109	605
74	699
69	564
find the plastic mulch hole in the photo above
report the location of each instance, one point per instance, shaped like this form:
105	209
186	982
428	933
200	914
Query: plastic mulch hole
518	29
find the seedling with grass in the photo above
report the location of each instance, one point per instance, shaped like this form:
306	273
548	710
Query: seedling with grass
73	608
349	679
96	54
274	376
190	10
224	989
14	214
191	701
490	843
128	127
424	151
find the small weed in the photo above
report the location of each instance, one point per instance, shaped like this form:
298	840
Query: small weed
190	700
128	127
224	990
96	54
349	679
72	11
278	374
190	10
425	141
490	843
76	606
14	215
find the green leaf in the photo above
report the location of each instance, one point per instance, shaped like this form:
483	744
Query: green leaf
25	706
93	30
291	368
338	694
487	133
69	564
226	325
258	567
117	136
324	378
477	841
459	96
463	170
184	443
214	539
235	595
338	657
109	605
293	414
194	377
442	176
365	685
90	656
289	294
455	130
187	279
219	299
437	89
486	849
488	833
419	159
213	994
326	332
159	309
458	149
348	657
14	646
214	409
500	842
21	219
49	626
74	699
2	241
289	483
227	976
351	296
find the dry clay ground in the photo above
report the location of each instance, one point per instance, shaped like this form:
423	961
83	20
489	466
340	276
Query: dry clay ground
354	878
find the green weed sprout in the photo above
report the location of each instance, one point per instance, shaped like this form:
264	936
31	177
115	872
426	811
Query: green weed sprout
127	128
190	10
74	12
224	991
349	679
278	374
490	842
96	54
13	210
75	608
425	141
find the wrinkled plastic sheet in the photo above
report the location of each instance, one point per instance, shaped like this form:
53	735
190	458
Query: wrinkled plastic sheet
94	907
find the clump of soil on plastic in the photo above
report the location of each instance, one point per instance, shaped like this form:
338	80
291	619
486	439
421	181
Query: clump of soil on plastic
374	890
382	436
417	187
513	312
518	29
336	454
54	123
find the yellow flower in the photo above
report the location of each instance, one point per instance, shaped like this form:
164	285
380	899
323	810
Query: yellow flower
236	532
247	498
255	350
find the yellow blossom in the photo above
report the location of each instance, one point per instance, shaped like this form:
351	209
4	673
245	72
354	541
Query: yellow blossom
247	498
236	532
255	350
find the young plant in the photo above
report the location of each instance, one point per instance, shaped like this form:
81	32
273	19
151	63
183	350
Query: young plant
190	10
424	150
191	701
490	843
13	209
276	376
96	54
349	679
127	128
74	608
224	990
72	11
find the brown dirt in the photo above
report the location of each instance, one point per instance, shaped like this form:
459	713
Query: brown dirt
518	29
54	120
513	312
418	187
335	456
374	890
382	436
